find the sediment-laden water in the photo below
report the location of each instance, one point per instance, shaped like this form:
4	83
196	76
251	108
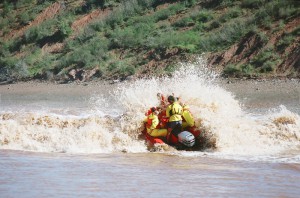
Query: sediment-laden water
84	141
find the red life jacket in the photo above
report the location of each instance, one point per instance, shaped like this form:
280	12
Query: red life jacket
163	101
162	119
149	122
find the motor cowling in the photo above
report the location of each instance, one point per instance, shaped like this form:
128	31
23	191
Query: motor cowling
186	138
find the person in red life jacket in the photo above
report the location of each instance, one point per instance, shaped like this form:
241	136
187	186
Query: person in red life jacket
162	110
148	113
163	120
163	102
152	124
174	113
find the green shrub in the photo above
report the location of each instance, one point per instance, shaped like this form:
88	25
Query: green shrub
97	25
39	63
8	62
24	3
3	22
185	40
113	66
130	37
124	38
146	4
247	69
189	3
170	68
184	22
13	67
64	28
163	14
231	70
148	19
31	34
46	63
262	57
231	14
159	15
288	11
125	11
20	70
35	33
296	32
268	66
202	16
88	54
88	5
15	44
85	35
252	4
212	3
121	67
176	8
283	9
228	3
25	18
266	60
52	30
228	34
115	18
200	27
4	49
275	10
7	8
262	36
214	25
98	47
127	70
285	41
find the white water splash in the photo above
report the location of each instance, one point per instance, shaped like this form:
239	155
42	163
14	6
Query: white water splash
216	110
72	134
115	120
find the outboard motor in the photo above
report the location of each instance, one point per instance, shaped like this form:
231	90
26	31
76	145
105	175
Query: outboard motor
186	138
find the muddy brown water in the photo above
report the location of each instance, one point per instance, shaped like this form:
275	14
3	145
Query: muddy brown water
76	161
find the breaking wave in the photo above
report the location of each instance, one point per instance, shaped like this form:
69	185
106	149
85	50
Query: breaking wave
114	122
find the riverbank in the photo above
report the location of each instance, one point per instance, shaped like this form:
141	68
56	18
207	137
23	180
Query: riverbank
252	94
36	86
261	96
239	86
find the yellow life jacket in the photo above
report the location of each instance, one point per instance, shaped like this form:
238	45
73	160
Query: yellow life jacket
174	112
152	121
188	118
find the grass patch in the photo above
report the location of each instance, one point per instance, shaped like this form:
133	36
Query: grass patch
285	41
264	63
135	27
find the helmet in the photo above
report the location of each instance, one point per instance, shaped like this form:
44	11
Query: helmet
171	98
153	109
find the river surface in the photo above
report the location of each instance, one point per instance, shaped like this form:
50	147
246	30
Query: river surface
83	140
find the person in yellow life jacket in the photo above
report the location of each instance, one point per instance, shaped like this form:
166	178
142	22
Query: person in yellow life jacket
188	119
153	124
174	113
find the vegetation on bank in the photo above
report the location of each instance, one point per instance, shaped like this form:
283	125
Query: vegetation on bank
128	36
